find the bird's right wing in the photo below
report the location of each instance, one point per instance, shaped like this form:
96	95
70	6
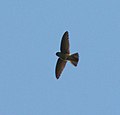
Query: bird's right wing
59	67
65	43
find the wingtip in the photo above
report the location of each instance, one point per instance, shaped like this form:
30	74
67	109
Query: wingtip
66	31
57	77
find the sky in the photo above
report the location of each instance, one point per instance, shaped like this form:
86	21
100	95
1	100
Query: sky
30	35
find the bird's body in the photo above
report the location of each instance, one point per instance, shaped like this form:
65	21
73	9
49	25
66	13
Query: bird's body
65	56
62	56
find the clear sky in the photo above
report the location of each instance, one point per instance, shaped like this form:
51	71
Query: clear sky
30	35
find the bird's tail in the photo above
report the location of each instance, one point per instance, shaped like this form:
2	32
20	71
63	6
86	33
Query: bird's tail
74	58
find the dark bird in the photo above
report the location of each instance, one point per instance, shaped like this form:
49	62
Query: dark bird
65	55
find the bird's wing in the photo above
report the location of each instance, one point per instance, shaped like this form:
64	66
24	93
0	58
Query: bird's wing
65	43
59	67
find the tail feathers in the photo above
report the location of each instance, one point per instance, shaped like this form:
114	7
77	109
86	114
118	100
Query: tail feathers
74	58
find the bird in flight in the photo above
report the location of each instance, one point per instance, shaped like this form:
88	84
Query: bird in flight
64	55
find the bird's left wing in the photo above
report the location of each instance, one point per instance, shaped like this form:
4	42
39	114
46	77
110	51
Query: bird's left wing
59	67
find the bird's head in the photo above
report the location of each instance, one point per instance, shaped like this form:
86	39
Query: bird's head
58	54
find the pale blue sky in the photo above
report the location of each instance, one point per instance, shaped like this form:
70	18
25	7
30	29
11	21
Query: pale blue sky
30	35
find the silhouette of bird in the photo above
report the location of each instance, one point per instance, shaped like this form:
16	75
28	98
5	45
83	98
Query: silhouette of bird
64	55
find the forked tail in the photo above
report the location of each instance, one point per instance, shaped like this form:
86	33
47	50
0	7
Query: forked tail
74	58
